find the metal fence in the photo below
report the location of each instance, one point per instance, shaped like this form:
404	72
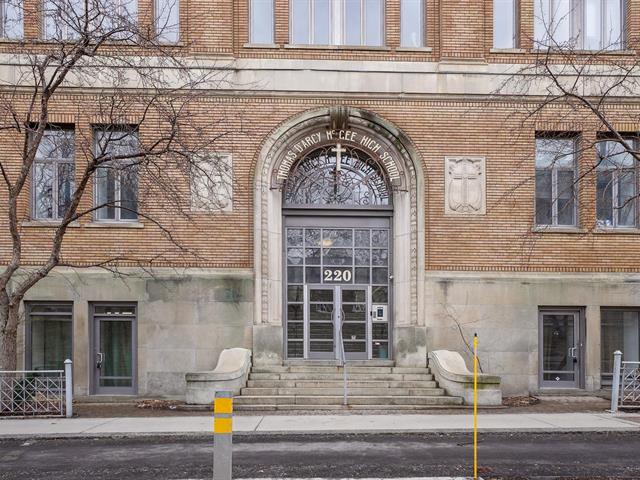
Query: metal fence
625	390
36	392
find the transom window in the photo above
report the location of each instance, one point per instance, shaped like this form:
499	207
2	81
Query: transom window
579	24
337	22
617	185
337	176
555	181
53	174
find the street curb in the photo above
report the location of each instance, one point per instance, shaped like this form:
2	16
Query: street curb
205	434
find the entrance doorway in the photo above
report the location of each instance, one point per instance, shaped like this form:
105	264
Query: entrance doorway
114	349
337	255
561	335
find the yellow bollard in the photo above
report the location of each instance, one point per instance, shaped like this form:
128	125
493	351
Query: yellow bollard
475	406
223	436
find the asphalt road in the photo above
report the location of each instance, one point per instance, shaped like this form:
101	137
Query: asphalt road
586	455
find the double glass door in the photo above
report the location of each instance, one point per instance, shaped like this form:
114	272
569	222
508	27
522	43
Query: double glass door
337	322
561	355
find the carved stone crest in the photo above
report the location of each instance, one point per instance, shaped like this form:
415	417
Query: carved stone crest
465	186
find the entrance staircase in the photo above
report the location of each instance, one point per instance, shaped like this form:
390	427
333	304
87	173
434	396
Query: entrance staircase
318	385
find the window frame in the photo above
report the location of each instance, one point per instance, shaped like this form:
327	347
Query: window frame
117	185
273	24
156	23
55	190
615	187
515	43
606	383
423	25
3	20
28	306
577	27
337	25
554	183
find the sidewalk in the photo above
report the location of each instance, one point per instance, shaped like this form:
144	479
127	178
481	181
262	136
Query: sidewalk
313	424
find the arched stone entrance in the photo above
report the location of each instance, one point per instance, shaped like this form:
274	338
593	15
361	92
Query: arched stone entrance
365	142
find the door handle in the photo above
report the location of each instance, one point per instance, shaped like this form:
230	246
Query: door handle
572	352
100	360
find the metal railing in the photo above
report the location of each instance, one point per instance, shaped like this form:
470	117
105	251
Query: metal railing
36	392
625	389
345	385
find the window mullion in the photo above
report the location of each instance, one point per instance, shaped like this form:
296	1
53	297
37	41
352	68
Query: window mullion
615	200
54	189
554	196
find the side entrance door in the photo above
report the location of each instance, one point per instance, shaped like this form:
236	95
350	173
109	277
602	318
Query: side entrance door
114	349
561	340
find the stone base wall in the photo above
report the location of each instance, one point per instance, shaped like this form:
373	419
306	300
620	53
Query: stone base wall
185	319
503	310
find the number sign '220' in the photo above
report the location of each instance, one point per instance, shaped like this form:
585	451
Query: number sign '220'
337	275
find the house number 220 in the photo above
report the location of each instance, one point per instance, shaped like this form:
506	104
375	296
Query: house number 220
337	275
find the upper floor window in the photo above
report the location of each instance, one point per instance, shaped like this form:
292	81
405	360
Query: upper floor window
116	181
617	185
261	18
11	19
112	19
53	174
555	181
412	16
505	24
337	22
579	24
167	13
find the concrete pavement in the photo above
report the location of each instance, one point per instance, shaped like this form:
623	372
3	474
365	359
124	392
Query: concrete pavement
309	424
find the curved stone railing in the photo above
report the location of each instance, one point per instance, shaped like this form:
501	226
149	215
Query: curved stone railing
231	374
452	374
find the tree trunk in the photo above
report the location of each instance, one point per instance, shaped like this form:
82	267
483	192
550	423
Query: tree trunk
9	316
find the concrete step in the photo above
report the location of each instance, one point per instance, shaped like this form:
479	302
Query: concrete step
355	391
338	376
338	399
310	383
369	408
364	363
333	369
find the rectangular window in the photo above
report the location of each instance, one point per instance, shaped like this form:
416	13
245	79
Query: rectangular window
116	180
262	21
337	22
579	24
617	185
168	20
112	19
412	22
619	330
49	335
11	21
504	24
53	174
555	181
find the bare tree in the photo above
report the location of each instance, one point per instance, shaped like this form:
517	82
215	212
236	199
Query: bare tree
581	77
105	63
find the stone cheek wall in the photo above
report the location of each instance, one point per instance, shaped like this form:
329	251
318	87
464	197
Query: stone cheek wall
501	239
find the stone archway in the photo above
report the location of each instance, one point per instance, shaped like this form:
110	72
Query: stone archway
404	168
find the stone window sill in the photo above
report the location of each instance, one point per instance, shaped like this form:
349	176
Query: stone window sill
415	49
511	51
617	230
587	52
551	229
115	225
338	47
47	224
261	45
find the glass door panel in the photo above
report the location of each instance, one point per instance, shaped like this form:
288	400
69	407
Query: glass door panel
355	316
320	322
560	349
